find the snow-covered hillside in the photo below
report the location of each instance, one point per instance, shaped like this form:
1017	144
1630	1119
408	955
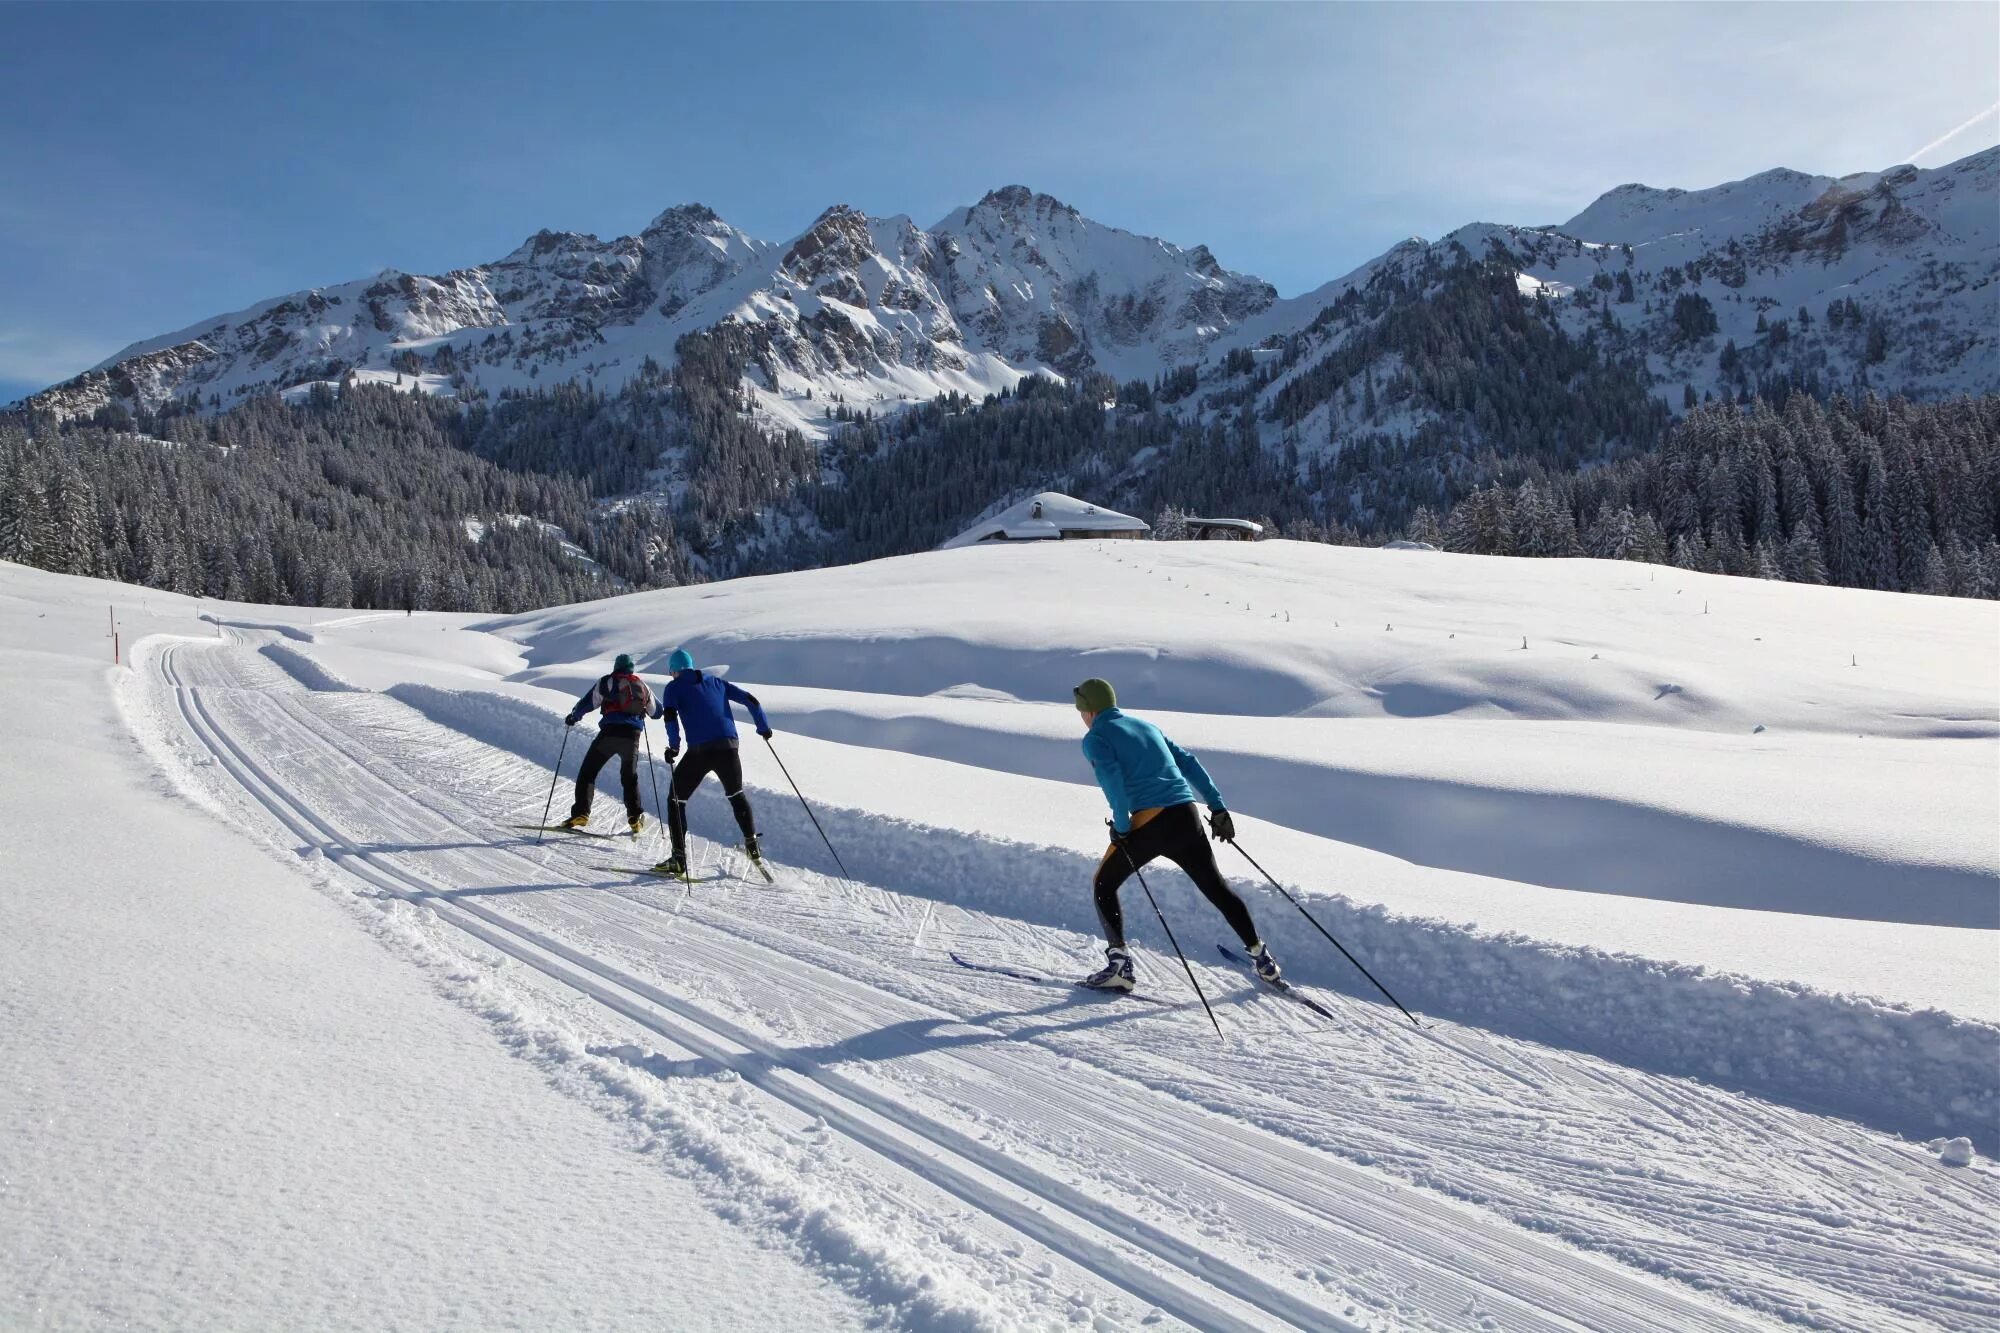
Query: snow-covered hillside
1695	882
875	312
1889	280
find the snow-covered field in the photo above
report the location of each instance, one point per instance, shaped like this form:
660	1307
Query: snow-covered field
1696	882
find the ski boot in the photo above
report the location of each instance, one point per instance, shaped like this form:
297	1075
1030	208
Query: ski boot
674	867
753	849
637	822
1266	967
1116	974
575	821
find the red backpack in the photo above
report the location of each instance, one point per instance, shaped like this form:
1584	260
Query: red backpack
626	694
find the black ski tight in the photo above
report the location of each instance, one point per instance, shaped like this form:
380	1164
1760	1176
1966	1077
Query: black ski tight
622	742
698	763
1175	833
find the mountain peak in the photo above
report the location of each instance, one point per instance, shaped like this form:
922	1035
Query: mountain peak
685	217
1634	213
543	242
838	238
1009	200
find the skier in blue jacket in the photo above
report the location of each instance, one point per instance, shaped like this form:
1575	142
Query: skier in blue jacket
700	702
1151	783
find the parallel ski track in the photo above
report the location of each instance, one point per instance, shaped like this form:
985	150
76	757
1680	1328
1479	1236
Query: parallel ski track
968	1169
1522	1290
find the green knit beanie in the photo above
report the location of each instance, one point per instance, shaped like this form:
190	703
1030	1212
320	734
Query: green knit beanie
624	662
1095	696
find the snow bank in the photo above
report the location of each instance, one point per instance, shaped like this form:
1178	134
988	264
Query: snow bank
304	669
1602	810
1916	1072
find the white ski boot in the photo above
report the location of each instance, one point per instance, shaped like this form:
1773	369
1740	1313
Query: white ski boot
1116	974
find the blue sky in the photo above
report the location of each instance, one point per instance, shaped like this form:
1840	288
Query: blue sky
163	163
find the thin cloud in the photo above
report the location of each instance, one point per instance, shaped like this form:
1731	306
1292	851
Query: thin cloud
1938	143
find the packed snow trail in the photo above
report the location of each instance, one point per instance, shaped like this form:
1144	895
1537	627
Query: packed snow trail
1302	1174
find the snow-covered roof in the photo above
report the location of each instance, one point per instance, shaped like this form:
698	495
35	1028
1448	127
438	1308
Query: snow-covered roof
1049	516
1231	524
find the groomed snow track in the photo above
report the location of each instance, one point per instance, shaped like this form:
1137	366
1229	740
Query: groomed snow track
1158	1166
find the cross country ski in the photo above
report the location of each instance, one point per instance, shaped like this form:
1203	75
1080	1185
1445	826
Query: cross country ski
566	828
1277	984
1043	979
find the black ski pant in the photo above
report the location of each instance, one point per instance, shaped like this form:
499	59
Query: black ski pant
1177	834
620	741
721	759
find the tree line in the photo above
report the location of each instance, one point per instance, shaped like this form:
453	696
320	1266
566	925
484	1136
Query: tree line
1535	442
1869	493
368	498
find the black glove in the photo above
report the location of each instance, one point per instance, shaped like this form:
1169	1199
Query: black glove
1222	826
1117	838
673	753
765	732
570	721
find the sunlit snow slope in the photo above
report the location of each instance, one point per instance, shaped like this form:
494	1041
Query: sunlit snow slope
1693	879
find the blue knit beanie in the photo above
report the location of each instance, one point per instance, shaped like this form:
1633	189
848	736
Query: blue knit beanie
682	660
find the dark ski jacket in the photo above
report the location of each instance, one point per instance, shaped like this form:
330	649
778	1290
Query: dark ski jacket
600	696
1140	769
701	702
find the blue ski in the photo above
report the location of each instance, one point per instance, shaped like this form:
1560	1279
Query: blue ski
1282	987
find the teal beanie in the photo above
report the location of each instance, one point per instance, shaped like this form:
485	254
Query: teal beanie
1095	696
682	660
624	662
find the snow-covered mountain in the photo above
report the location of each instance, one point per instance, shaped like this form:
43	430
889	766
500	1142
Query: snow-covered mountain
1889	280
1889	276
540	308
855	309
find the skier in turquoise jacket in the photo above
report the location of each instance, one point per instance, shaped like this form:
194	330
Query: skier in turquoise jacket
1150	784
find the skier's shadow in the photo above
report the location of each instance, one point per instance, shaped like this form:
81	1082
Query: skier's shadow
502	890
911	1037
481	845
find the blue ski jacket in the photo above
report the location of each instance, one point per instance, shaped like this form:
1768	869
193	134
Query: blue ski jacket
603	695
702	703
1140	769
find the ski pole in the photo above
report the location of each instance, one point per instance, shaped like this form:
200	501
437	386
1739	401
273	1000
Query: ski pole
809	812
654	769
1170	938
1324	931
554	778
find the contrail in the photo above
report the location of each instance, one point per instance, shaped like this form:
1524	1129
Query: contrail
1947	138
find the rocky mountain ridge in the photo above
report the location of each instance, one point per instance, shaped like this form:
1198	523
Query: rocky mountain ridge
1887	278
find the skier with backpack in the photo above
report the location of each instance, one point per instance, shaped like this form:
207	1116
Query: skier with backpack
700	702
625	703
1150	783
